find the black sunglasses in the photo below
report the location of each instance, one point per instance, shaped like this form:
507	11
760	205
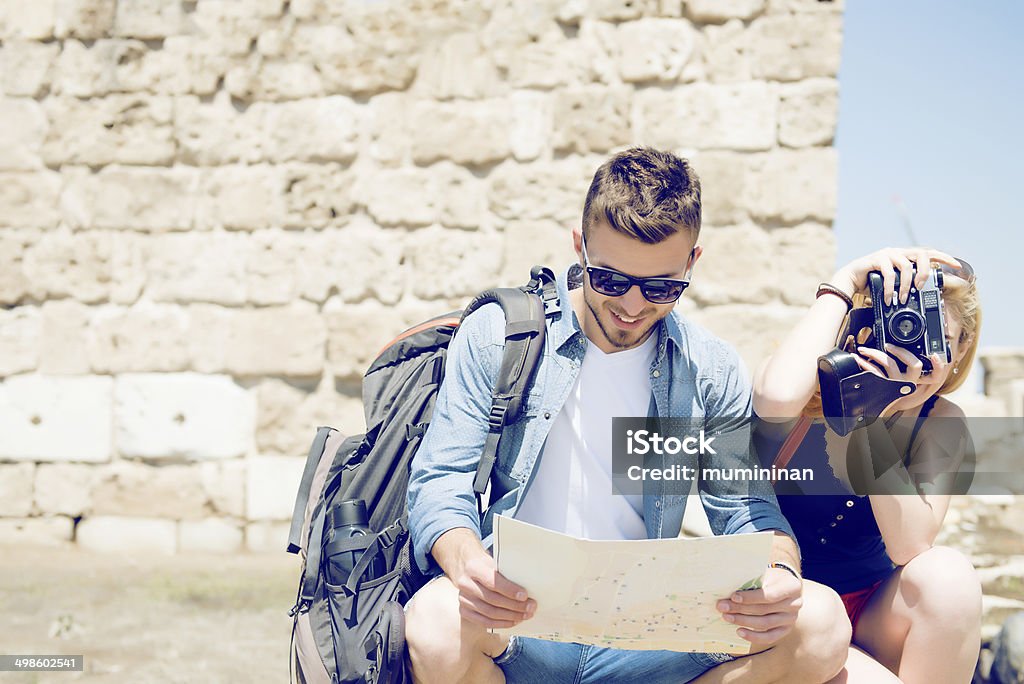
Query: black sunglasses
611	283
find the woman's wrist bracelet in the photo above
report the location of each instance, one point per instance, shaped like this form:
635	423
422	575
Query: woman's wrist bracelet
826	288
787	567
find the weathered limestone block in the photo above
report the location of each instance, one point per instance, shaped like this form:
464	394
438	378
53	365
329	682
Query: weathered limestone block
369	65
755	330
64	488
273	79
737	266
320	130
127	534
25	66
726	54
621	10
67	264
182	415
186	64
356	333
532	243
594	119
350	416
792	185
16	489
277	341
471	133
808	112
791	47
288	416
20	336
213	535
22	134
125	197
717	11
266	537
128	269
242	197
214	133
56	419
272	259
550	62
653	49
148	19
1003	365
805	256
399	197
107	66
553	190
235	24
741	116
126	129
723	177
804	7
127	488
84	19
317	195
15	284
209	336
448	263
388	127
144	337
36	531
532	124
33	20
29	199
224	486
271	485
197	267
457	66
463	196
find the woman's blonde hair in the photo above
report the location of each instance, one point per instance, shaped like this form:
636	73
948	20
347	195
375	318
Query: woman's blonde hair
963	304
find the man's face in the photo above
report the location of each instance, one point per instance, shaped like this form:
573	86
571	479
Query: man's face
619	323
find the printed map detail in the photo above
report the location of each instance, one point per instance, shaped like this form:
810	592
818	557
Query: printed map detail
651	594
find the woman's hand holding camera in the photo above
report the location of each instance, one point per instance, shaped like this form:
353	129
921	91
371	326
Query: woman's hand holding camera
853	277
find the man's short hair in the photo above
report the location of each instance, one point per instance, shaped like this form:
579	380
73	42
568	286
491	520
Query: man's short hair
646	194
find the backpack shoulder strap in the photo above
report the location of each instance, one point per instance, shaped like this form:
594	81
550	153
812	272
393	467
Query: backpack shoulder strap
525	310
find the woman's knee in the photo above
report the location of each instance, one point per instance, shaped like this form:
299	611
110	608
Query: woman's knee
942	584
821	635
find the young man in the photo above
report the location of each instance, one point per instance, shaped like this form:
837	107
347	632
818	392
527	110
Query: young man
617	348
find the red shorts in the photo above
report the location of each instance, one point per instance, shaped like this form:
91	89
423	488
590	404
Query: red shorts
855	601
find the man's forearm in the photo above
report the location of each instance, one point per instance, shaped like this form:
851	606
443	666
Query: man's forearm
455	548
784	550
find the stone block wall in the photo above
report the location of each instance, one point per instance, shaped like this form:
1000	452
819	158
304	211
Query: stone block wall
214	212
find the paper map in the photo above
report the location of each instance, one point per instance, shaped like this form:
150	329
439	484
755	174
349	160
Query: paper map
649	594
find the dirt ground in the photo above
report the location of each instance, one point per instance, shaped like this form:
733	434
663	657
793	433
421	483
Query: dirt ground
145	618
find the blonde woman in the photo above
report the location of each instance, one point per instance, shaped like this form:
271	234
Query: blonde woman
915	608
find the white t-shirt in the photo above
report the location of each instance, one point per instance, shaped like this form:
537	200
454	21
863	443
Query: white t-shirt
571	488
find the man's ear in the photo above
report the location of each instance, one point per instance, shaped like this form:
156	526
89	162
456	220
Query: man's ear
577	242
694	256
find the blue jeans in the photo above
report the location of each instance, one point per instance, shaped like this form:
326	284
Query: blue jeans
528	661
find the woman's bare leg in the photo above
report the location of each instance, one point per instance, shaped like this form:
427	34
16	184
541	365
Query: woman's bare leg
924	622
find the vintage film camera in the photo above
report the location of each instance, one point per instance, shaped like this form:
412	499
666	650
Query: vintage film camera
852	397
919	326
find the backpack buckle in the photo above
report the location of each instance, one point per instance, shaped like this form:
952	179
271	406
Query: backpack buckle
391	534
496	418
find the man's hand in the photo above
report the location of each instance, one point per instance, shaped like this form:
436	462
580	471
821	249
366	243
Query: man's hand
767	614
486	597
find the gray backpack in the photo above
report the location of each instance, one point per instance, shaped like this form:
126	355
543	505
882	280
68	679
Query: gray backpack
351	628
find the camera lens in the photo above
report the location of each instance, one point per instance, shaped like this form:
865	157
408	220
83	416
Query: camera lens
906	326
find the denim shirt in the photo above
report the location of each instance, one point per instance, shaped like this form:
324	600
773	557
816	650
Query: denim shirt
694	375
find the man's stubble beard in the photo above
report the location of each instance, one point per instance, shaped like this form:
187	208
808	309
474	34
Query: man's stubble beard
620	339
